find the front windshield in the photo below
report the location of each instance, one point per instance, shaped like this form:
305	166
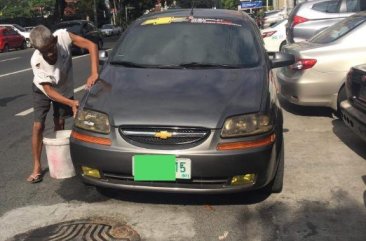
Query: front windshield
338	30
184	43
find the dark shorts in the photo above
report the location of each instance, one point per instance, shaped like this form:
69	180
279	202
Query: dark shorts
41	105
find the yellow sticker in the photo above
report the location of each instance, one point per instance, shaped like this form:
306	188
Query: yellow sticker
157	21
165	20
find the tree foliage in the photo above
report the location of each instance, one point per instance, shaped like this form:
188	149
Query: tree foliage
230	4
196	3
29	8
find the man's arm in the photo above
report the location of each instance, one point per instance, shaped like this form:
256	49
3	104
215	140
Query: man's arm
94	57
54	95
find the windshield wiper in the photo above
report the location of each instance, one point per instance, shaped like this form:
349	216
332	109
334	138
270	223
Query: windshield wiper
129	64
207	65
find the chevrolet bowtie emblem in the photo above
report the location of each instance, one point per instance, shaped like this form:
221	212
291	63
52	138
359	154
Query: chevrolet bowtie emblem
163	134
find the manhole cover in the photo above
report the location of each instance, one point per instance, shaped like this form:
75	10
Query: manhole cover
83	230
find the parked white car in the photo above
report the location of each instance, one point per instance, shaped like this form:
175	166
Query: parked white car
22	31
273	16
274	37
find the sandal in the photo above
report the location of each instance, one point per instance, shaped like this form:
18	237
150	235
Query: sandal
35	178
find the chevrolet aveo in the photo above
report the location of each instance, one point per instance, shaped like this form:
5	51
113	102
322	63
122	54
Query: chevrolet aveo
185	103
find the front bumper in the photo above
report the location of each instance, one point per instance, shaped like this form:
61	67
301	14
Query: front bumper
354	119
211	170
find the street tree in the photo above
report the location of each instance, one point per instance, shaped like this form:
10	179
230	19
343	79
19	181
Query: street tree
230	4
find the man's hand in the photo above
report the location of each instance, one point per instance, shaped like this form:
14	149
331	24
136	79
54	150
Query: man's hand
91	80
74	105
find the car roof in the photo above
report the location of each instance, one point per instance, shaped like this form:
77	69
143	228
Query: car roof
75	21
200	12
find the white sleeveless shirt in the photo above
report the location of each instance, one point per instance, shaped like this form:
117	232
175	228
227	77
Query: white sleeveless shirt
59	75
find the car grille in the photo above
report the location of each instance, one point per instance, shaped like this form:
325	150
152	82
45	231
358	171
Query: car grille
164	136
202	182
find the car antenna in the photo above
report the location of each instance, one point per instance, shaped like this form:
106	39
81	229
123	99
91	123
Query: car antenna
193	2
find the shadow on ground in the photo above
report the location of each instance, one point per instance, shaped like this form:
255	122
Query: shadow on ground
6	100
342	218
349	138
72	189
305	110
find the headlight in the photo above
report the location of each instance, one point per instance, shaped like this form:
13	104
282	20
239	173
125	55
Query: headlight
93	121
245	125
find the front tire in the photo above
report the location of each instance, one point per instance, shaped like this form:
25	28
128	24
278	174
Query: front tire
282	45
6	48
276	185
24	45
341	97
100	44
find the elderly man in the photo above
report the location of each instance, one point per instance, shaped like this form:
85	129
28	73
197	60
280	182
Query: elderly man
53	82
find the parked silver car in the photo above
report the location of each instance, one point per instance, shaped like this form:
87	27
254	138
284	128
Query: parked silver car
318	75
311	17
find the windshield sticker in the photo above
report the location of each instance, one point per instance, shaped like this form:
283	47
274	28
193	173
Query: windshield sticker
190	19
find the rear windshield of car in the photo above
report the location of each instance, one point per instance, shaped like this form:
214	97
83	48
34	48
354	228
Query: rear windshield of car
107	26
275	24
185	43
327	6
338	30
270	13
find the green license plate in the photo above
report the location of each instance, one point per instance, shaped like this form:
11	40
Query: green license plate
160	168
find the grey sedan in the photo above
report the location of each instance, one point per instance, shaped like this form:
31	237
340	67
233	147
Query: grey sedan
186	103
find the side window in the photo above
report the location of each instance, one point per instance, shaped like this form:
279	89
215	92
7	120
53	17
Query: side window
353	6
89	27
12	32
327	7
92	27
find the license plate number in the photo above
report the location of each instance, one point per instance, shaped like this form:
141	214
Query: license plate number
158	168
183	168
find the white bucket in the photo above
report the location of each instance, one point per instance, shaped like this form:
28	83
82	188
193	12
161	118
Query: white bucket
58	154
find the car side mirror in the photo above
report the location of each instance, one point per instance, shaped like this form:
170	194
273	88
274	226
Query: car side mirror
103	56
279	59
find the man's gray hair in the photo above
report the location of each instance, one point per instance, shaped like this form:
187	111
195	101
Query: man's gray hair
40	36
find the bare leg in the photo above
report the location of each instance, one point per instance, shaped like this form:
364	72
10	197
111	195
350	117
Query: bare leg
37	135
59	124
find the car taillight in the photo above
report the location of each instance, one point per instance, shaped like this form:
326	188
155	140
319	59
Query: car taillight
268	34
302	64
298	19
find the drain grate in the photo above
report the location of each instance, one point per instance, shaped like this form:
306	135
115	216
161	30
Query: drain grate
83	230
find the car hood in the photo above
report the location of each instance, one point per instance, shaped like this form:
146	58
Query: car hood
176	97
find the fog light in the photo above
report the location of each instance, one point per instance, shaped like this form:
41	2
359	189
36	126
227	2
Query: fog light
243	179
90	172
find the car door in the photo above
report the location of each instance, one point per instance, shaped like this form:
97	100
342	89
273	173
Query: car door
16	39
10	38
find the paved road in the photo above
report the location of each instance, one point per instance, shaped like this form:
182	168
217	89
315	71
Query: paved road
324	196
